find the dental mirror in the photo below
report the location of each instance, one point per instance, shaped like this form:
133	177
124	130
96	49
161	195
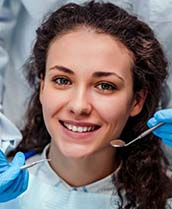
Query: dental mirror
120	143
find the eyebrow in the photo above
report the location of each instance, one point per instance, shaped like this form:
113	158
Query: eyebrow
97	74
100	74
62	69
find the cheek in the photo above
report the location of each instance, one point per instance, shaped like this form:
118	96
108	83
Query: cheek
113	106
51	102
114	111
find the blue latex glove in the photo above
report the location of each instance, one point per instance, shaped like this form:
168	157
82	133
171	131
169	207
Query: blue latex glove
164	131
13	180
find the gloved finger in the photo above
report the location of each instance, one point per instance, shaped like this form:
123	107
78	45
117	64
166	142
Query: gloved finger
6	196
15	188
17	185
18	160
167	127
152	122
10	192
13	171
8	176
21	183
164	115
3	162
167	142
163	135
25	176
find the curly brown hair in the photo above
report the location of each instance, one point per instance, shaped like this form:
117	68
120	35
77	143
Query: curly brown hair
143	172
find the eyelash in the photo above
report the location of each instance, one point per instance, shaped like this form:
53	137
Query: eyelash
106	86
62	81
103	86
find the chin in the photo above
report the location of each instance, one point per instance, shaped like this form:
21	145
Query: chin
75	152
75	155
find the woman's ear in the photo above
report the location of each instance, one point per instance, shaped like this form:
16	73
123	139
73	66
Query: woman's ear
138	102
41	89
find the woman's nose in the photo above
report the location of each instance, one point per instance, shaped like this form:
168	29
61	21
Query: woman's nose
80	103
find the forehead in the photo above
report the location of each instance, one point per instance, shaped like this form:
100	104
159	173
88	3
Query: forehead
89	48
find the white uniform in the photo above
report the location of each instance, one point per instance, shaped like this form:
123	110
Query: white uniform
48	191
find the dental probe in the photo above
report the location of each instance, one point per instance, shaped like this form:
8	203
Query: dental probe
33	163
121	143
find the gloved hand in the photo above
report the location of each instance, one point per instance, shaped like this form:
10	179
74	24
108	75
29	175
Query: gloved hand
164	131
13	180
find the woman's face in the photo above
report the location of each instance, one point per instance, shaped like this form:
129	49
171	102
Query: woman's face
86	94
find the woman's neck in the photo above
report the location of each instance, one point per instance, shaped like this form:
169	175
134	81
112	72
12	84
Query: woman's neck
83	171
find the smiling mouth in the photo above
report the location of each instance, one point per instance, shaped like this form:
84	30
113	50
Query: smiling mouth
79	128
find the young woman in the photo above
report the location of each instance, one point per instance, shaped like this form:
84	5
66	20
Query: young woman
97	74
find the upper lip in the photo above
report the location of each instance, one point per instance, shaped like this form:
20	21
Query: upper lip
79	123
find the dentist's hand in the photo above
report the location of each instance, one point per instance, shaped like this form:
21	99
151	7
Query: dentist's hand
164	131
13	180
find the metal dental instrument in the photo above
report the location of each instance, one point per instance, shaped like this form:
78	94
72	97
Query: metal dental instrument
33	163
120	143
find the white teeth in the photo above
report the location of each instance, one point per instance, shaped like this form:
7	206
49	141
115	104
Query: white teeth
74	128
79	128
70	127
84	129
89	129
92	129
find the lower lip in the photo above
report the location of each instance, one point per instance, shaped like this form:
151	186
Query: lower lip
77	136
